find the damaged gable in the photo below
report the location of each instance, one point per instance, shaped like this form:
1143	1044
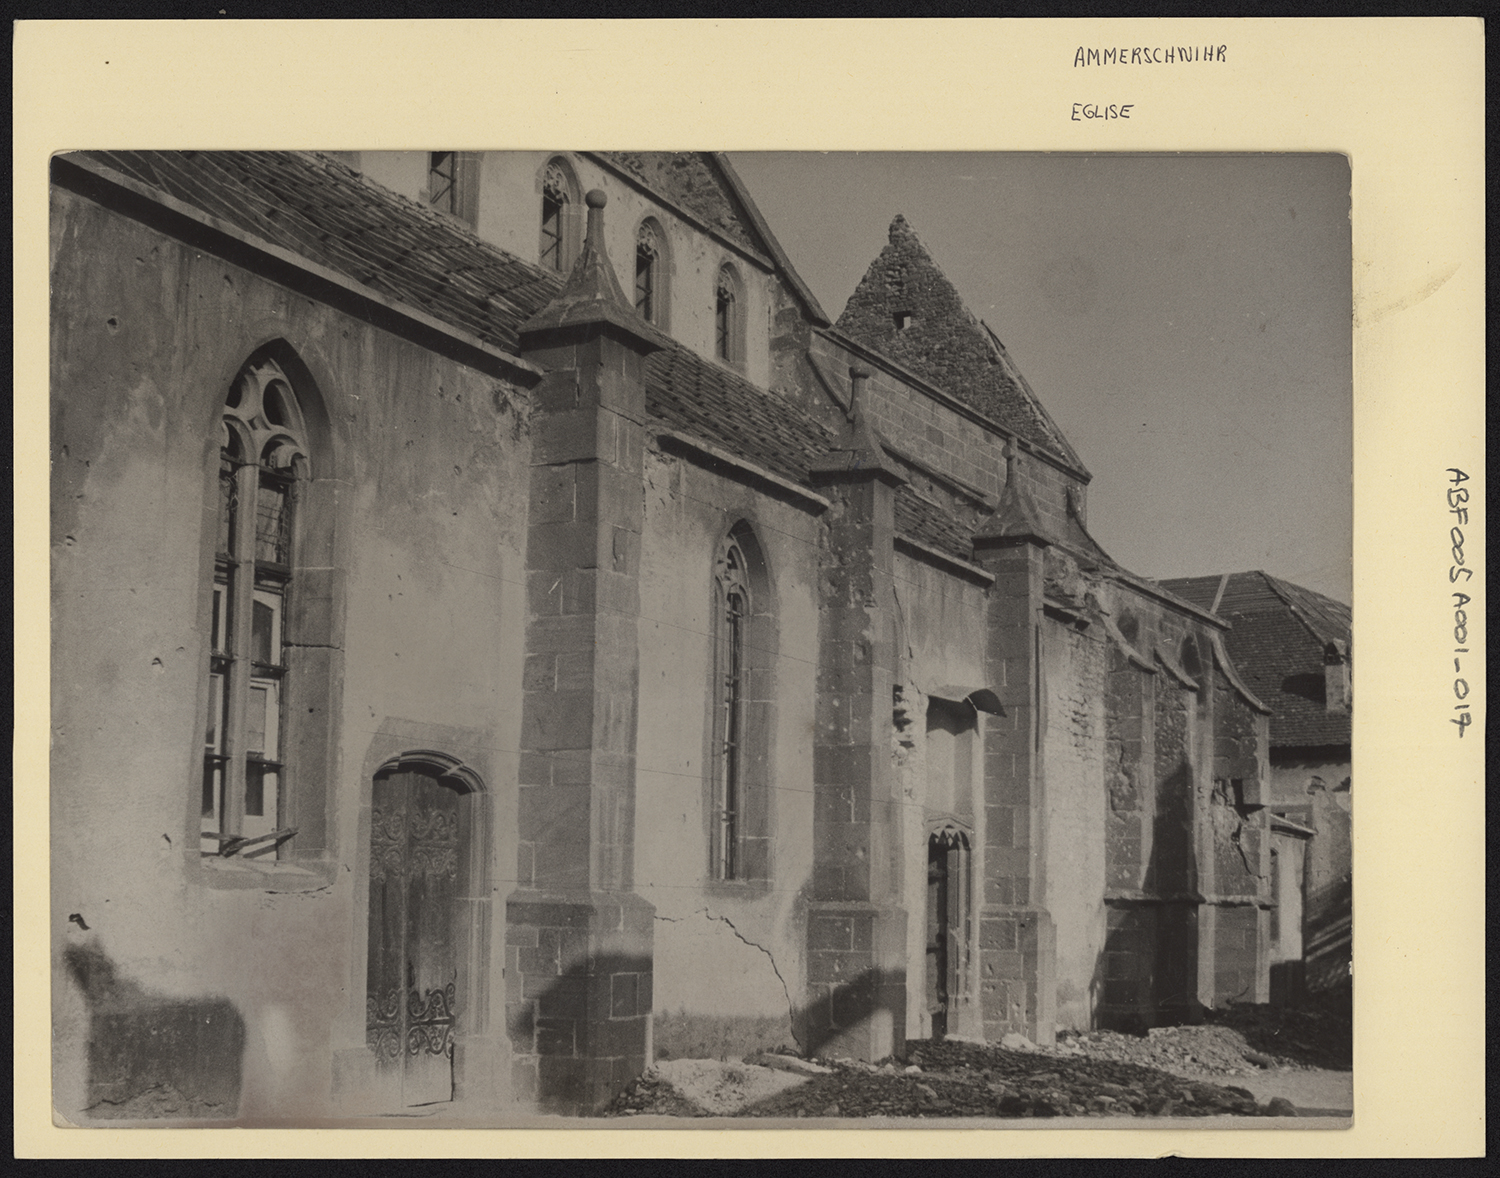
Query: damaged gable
705	185
906	308
686	178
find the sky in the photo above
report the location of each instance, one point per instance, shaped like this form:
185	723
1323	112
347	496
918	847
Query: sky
1185	319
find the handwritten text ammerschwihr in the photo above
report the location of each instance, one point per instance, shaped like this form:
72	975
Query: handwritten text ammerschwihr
1156	55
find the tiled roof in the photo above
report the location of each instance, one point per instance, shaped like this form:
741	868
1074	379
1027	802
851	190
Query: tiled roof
699	397
942	341
315	206
1276	638
918	518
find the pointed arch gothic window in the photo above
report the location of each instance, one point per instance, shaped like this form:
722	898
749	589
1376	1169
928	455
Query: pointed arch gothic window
732	615
651	273
729	317
740	720
263	456
558	246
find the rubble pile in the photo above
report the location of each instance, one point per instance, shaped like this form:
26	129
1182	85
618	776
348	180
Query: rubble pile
1212	1050
953	1079
651	1092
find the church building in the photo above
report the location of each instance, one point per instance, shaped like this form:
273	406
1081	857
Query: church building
505	632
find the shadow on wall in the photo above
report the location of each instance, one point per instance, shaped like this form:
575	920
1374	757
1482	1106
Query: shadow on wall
829	1023
1146	975
151	1057
584	1031
587	1029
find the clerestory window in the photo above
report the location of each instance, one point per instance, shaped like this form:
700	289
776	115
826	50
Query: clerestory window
650	273
726	317
559	245
453	184
262	458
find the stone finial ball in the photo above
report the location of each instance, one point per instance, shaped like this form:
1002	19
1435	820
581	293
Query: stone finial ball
595	198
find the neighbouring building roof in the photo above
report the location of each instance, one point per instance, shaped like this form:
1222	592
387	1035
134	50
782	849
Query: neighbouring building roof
1277	636
905	308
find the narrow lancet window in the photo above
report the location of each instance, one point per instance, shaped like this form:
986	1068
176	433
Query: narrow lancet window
732	592
726	326
648	273
555	200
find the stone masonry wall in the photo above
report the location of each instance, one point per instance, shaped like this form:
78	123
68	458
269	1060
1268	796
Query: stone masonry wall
948	440
1239	885
1075	814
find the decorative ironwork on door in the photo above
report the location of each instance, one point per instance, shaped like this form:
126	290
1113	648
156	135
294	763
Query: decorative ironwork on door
412	1001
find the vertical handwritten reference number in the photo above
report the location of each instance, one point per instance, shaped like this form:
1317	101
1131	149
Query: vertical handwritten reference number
1458	572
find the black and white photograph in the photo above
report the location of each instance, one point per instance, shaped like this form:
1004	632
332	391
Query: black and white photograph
814	632
558	666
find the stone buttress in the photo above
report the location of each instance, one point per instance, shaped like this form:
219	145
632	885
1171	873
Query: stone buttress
856	927
1017	942
579	939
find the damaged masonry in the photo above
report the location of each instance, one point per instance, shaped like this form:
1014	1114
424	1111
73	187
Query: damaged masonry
506	633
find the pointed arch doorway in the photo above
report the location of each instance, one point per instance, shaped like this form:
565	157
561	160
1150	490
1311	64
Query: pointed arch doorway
948	929
417	976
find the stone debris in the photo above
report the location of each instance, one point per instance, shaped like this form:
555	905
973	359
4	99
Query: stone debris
942	1080
792	1063
1211	1050
722	1087
1098	1073
1316	1032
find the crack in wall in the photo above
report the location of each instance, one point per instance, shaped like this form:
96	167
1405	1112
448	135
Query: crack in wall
1234	837
791	1007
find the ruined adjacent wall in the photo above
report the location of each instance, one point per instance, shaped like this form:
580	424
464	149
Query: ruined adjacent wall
1312	787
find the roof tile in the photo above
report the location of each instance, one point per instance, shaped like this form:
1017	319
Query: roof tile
1276	638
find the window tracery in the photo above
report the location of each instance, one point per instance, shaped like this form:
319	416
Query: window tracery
726	317
557	201
732	598
648	273
262	456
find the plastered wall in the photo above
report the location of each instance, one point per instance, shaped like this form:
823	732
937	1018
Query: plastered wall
729	955
510	201
428	475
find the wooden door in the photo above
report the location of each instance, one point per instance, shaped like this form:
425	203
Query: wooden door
412	1000
947	930
937	937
